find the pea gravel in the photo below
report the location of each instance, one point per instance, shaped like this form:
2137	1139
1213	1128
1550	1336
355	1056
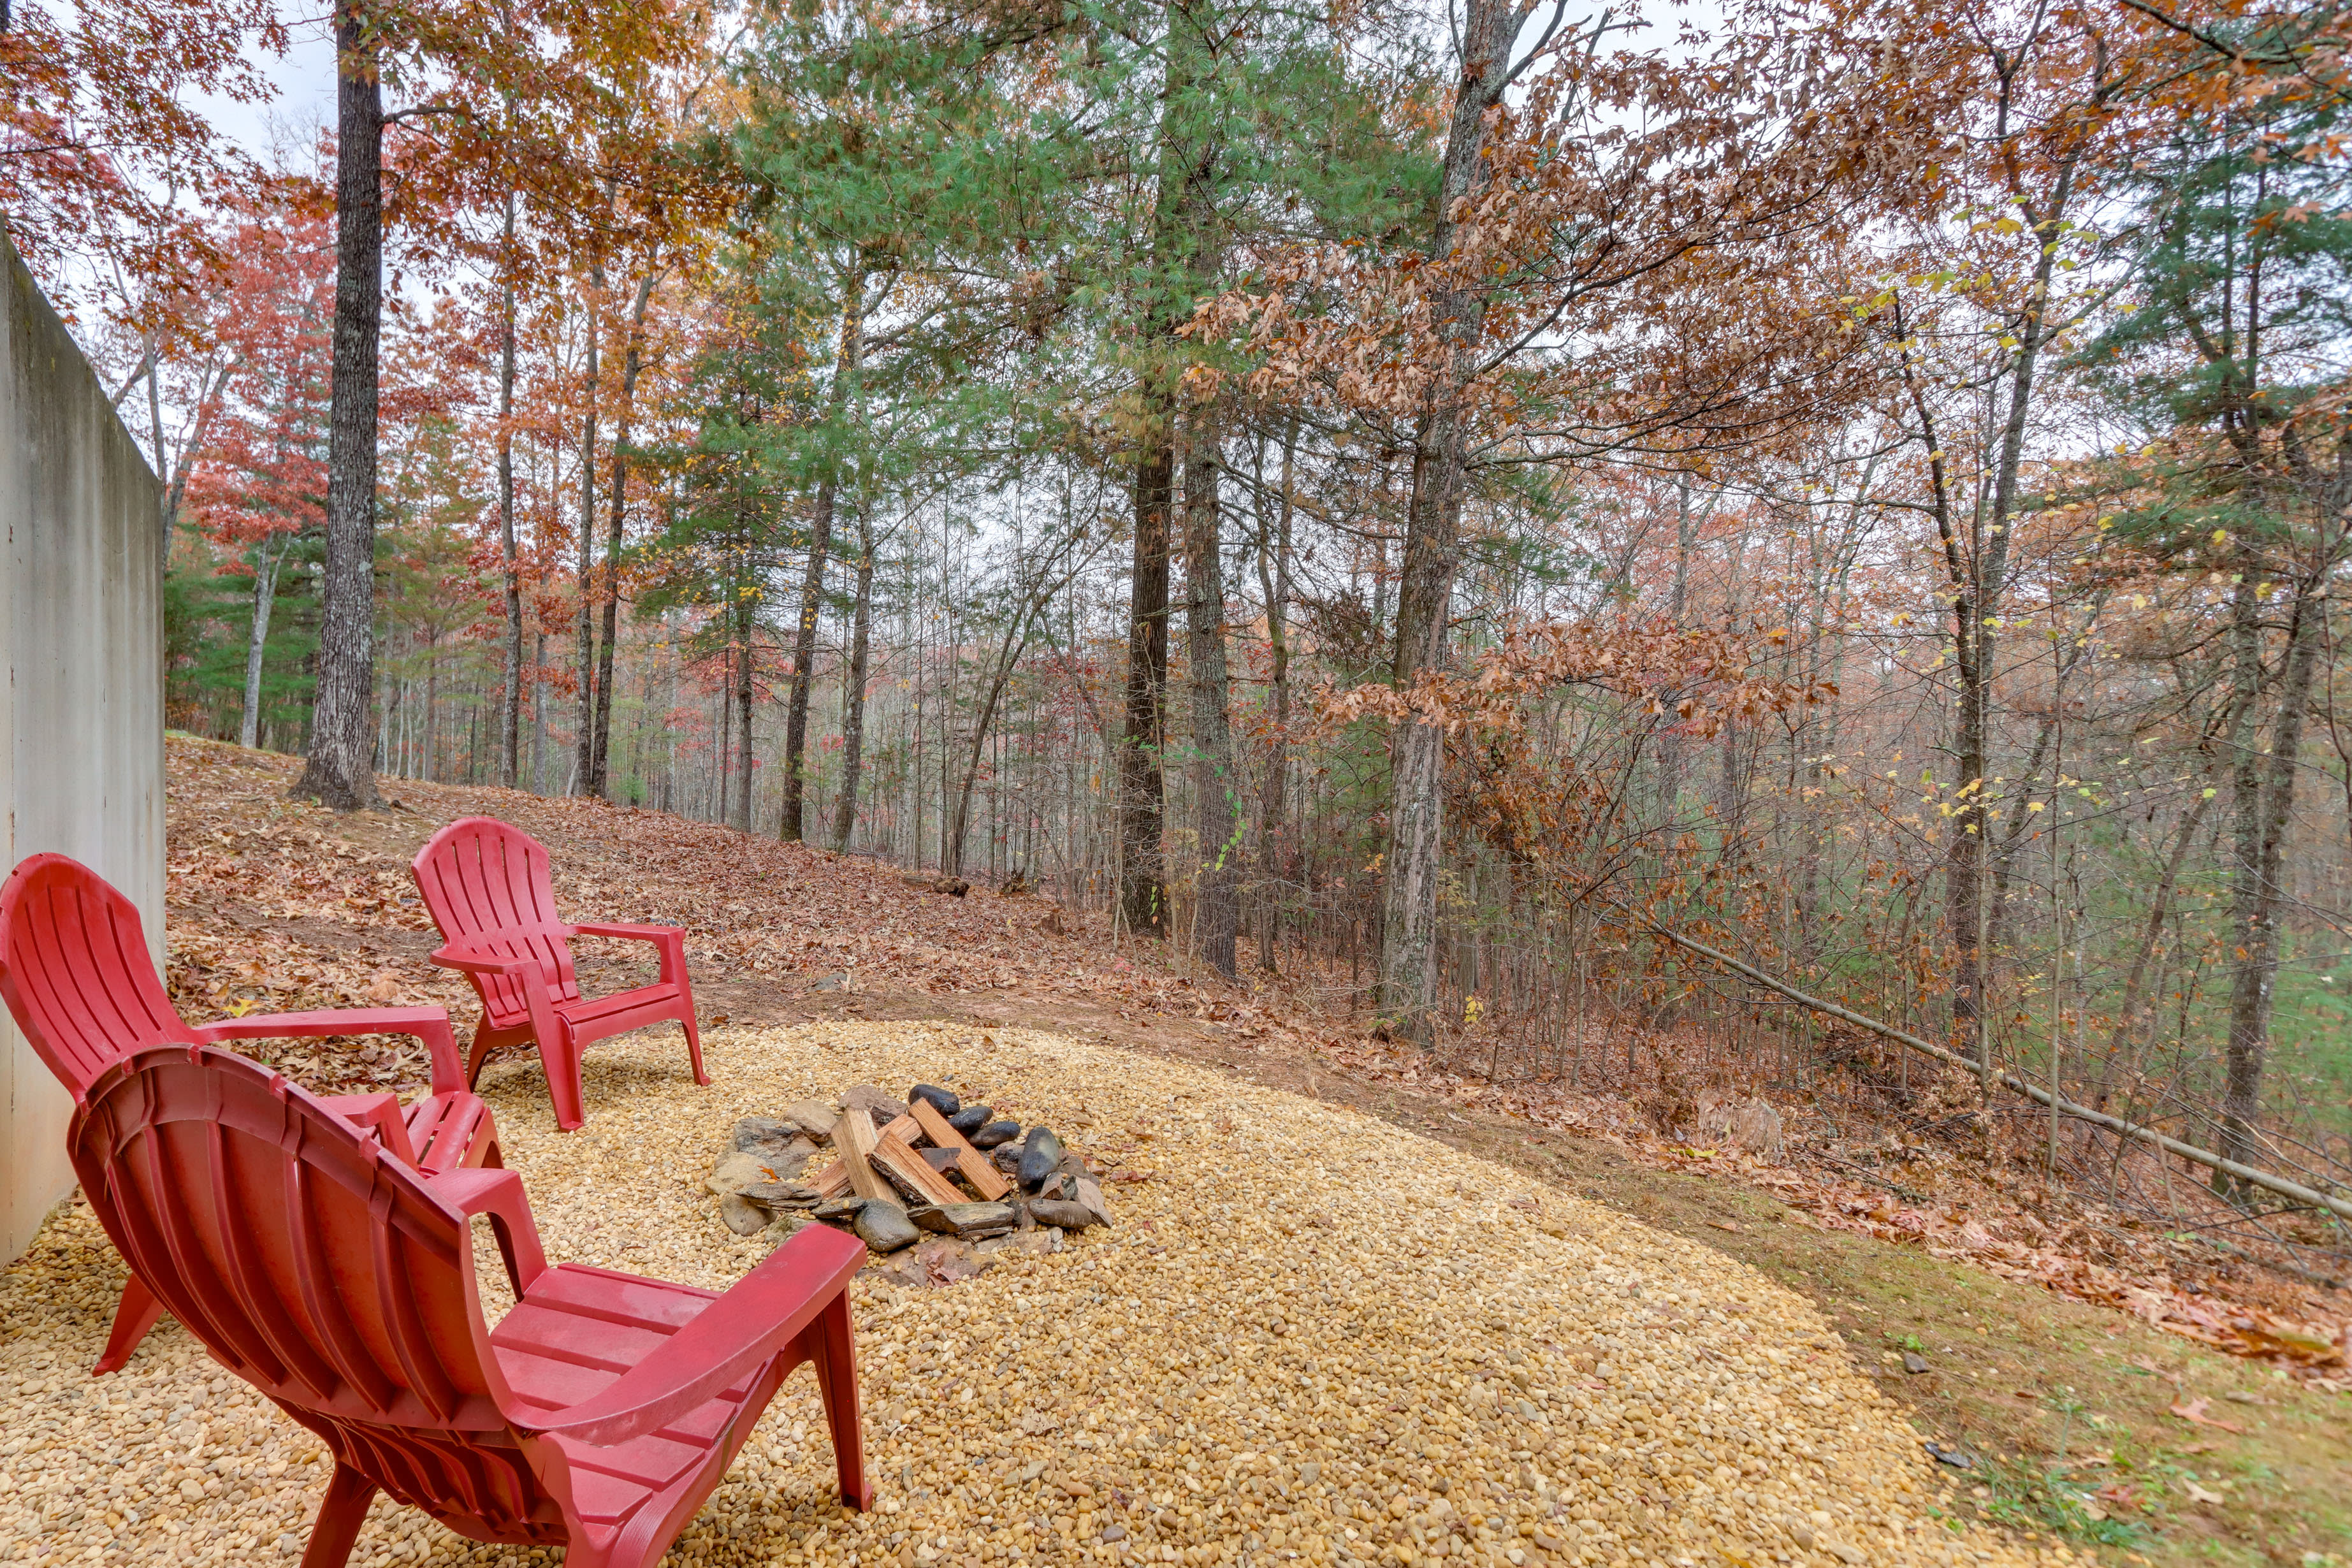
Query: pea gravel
1308	1338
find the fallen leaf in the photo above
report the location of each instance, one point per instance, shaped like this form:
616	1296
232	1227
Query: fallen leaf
2194	1410
2198	1494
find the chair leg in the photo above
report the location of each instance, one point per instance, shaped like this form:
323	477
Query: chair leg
561	1060
836	1380
693	1042
478	1053
340	1518
133	1317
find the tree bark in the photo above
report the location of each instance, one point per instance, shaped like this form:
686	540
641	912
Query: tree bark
1408	978
511	684
845	364
1273	582
743	627
583	734
853	697
2160	909
1979	589
1142	885
2265	803
632	361
265	592
340	769
1216	916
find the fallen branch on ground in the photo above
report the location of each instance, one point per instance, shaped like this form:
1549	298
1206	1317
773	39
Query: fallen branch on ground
2268	1181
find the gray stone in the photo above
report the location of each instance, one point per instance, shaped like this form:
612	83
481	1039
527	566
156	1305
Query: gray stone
743	1216
885	1227
737	1171
967	1219
781	1194
946	1101
840	1209
1061	1214
1029	1242
1115	1532
1041	1156
971	1118
873	1098
940	1160
813	1116
1913	1362
992	1133
786	1224
762	1137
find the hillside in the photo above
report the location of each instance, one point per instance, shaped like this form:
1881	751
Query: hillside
2073	1410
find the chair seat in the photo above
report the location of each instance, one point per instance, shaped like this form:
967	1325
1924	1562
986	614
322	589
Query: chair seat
447	1130
583	1012
575	1333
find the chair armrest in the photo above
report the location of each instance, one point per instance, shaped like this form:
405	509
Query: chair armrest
430	1025
670	940
498	1193
750	1325
380	1114
627	930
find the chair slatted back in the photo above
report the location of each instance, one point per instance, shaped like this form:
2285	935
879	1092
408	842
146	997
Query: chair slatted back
317	1268
76	973
488	884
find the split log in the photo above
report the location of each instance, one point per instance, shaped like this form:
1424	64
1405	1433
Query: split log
971	1161
852	1137
909	1170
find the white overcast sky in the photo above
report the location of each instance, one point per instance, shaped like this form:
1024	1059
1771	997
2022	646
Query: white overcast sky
305	75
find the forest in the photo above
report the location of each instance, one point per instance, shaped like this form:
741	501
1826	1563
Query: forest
1468	515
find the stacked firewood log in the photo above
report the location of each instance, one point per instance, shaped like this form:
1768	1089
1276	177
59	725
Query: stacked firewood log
902	1168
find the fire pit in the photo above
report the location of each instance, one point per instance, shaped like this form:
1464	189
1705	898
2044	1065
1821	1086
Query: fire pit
936	1188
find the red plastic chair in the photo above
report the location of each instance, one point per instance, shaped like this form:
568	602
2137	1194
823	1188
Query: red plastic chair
597	1416
486	886
74	971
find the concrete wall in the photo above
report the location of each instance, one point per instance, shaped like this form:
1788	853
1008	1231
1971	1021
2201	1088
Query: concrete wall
81	705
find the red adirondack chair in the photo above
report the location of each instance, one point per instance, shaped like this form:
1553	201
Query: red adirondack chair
74	971
486	886
597	1416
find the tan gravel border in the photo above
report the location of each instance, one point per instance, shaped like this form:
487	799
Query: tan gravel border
1309	1338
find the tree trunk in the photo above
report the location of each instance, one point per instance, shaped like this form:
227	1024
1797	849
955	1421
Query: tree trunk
1274	584
853	697
632	360
1979	589
847	359
2256	893
168	507
339	770
1216	916
584	740
2160	909
511	686
1142	887
743	622
265	592
430	770
1408	979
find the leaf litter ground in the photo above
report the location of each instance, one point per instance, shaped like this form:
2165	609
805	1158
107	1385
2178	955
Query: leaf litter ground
277	905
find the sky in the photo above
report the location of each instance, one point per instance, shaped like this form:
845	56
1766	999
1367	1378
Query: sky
305	78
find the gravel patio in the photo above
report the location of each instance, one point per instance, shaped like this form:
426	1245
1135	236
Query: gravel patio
1307	1337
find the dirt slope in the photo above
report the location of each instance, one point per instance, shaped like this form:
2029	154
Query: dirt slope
278	905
